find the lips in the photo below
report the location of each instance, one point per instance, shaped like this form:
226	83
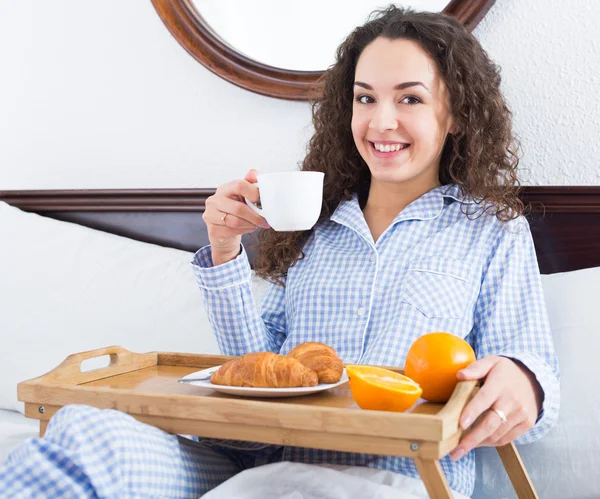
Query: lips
388	154
389	146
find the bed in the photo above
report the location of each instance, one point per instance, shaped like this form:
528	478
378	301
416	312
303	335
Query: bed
85	269
564	219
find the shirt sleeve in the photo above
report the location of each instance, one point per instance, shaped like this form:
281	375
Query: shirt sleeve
238	324
511	318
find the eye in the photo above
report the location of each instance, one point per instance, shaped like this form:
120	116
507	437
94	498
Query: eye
364	99
411	100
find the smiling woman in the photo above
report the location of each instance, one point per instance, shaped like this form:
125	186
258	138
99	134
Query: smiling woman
415	141
426	237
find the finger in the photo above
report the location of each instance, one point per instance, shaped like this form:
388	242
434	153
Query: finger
515	417
478	369
239	189
251	176
229	223
483	429
483	400
218	206
514	433
499	434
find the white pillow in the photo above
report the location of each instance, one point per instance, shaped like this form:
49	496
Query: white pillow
564	463
65	288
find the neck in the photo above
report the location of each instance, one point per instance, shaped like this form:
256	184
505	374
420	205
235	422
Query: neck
388	199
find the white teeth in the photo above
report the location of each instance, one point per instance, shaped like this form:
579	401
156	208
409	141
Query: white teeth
388	147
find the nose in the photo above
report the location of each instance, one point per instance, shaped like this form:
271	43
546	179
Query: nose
384	118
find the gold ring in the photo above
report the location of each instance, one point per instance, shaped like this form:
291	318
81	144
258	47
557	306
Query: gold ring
501	415
223	219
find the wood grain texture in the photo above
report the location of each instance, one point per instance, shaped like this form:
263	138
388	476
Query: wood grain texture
138	385
278	436
121	361
516	471
202	405
434	479
469	12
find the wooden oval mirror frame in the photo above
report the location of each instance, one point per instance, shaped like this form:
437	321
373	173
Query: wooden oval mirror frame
187	26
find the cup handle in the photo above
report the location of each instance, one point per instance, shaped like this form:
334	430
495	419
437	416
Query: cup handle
253	206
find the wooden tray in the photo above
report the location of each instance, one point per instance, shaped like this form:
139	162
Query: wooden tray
145	386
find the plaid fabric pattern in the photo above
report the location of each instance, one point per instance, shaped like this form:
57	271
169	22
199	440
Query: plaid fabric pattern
433	269
93	453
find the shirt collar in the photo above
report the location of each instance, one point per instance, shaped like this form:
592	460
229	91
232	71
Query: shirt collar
426	207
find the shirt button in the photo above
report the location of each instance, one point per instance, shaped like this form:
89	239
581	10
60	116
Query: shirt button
373	258
361	311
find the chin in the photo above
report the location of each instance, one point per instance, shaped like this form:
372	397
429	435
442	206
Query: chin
401	173
392	175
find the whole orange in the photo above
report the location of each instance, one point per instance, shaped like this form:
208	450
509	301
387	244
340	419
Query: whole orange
433	361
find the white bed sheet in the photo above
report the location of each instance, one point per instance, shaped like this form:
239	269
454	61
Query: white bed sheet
15	429
287	480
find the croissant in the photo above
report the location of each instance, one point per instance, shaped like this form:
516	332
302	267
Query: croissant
264	370
320	358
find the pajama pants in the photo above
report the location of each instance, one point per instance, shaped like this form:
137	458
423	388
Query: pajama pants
92	453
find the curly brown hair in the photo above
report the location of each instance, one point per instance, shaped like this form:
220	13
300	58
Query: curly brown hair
480	157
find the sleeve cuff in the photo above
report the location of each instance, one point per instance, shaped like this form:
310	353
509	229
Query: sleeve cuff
227	275
549	382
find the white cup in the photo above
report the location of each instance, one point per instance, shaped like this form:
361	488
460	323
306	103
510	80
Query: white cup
290	201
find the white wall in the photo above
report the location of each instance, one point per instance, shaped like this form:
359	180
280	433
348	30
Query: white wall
99	95
549	51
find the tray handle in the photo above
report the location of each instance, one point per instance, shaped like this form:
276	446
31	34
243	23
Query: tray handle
121	361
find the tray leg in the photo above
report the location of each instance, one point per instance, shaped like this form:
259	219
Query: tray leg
43	425
433	478
516	471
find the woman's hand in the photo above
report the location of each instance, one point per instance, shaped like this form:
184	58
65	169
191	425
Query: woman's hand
512	390
227	217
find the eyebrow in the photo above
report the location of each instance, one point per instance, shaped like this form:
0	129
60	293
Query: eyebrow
400	86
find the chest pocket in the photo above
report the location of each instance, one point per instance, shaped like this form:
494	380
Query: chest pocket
438	287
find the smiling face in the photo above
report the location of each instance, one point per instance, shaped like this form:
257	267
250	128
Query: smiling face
400	114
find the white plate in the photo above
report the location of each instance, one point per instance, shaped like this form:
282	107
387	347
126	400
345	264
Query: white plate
259	392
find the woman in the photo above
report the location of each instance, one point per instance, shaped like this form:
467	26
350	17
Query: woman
420	231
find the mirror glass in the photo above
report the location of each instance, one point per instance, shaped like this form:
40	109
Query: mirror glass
300	36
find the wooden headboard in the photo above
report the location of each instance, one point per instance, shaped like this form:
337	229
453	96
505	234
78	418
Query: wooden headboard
565	221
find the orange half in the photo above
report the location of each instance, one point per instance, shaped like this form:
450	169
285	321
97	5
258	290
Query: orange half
380	389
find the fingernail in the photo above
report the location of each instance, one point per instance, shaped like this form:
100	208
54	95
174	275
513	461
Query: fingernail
457	454
465	422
